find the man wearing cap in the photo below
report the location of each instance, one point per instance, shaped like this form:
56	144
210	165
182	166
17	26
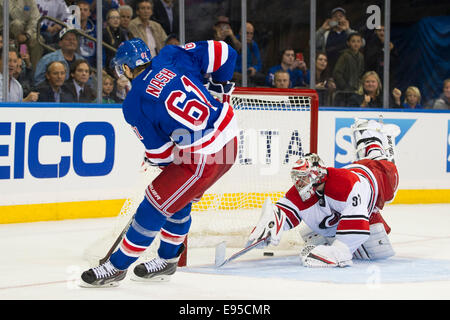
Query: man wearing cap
331	37
68	42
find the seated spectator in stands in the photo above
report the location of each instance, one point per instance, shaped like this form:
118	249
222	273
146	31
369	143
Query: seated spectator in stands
296	68
350	66
87	47
254	63
374	54
123	86
113	35
281	79
412	98
51	90
222	31
166	15
369	94
24	74
149	31
77	87
172	39
15	90
325	84
23	18
109	94
443	102
126	13
331	37
55	9
67	54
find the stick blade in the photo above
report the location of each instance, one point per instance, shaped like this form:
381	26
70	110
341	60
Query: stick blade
220	254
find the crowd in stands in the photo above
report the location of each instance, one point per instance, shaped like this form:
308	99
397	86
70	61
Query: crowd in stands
348	66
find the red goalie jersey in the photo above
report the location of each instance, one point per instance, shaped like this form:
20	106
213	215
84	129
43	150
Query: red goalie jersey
350	201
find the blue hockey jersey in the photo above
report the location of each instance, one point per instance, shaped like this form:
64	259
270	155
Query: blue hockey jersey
169	106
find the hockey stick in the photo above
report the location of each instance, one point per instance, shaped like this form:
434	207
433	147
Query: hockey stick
220	252
116	243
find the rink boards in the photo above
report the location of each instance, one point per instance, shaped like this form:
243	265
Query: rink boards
81	161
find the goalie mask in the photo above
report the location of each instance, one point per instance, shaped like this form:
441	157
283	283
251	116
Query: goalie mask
307	173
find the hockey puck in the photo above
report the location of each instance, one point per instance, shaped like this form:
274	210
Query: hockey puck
268	254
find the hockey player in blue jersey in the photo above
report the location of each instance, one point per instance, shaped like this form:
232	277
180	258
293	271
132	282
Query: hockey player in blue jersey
185	131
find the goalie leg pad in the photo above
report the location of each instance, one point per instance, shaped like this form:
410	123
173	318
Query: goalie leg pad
369	140
312	238
323	256
377	246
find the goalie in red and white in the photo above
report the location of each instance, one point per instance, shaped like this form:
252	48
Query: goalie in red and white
340	207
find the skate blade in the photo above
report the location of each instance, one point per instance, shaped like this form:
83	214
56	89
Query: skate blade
83	284
161	278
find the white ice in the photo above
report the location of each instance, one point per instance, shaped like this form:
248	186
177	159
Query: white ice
43	260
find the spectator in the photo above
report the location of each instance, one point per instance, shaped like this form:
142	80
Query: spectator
297	70
113	35
350	66
412	98
108	90
126	13
331	37
222	31
51	90
87	25
106	6
281	79
443	102
374	54
369	94
55	9
68	42
172	39
254	64
325	84
15	91
23	17
166	15
77	87
149	31
24	74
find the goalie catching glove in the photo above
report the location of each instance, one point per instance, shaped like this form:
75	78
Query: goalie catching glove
270	225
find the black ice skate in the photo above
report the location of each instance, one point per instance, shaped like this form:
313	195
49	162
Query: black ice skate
105	275
157	269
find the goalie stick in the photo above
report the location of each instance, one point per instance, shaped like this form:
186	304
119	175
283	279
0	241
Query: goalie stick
220	252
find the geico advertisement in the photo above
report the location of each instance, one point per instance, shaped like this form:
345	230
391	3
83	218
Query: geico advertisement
65	154
422	142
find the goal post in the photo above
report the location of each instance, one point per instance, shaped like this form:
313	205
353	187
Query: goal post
276	127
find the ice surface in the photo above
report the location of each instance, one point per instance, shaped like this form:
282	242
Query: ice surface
44	261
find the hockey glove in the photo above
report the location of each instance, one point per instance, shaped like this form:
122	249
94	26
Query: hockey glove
220	90
270	225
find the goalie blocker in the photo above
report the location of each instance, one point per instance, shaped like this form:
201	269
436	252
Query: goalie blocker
339	207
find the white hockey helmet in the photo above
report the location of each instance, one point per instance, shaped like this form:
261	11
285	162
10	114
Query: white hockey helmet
307	173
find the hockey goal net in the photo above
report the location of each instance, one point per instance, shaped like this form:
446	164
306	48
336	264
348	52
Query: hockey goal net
276	127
